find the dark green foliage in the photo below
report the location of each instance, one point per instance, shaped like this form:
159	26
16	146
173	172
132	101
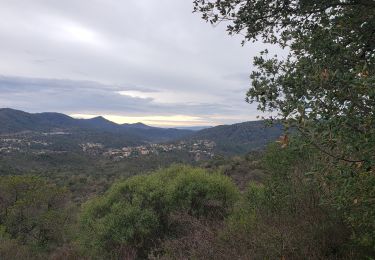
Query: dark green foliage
299	211
286	216
33	214
325	87
353	195
290	211
11	249
134	214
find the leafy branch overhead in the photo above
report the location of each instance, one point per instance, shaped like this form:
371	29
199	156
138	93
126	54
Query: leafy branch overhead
326	85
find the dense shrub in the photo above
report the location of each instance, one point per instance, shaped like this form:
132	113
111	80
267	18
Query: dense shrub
32	211
12	249
33	216
135	214
287	216
353	194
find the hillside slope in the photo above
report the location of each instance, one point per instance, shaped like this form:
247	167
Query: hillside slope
241	137
16	121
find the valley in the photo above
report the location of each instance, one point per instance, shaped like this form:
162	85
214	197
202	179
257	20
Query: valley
54	133
47	143
88	155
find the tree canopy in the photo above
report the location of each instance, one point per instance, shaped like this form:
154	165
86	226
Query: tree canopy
325	87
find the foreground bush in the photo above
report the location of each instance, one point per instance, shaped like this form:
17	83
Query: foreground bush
135	214
293	214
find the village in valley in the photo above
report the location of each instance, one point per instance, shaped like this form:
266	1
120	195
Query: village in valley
200	149
20	144
30	142
36	143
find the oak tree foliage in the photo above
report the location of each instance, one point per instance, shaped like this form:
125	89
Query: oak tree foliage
326	86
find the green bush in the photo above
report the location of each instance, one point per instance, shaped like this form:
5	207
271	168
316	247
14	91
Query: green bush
301	176
134	214
353	196
287	216
32	211
202	194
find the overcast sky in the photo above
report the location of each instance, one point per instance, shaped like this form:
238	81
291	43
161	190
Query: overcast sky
129	60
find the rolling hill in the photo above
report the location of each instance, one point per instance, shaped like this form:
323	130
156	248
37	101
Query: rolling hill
14	121
239	138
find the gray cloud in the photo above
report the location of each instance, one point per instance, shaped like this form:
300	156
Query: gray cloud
85	97
76	56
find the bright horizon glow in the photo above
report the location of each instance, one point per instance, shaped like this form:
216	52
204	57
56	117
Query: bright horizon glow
161	121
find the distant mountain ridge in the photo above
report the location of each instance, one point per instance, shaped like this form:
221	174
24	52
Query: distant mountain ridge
12	121
229	139
138	125
16	121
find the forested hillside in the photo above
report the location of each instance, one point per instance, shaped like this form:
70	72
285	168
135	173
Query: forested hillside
240	138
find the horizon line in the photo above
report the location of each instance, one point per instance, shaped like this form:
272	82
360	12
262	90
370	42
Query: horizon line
166	121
